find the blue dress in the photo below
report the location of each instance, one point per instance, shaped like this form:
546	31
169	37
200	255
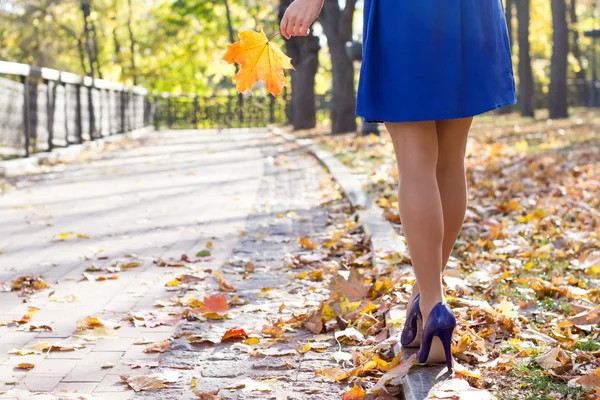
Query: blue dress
433	60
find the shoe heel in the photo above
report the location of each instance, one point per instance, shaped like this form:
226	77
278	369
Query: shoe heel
445	336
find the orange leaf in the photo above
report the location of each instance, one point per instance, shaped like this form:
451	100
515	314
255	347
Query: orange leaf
234	334
208	395
214	304
355	393
305	242
260	59
25	366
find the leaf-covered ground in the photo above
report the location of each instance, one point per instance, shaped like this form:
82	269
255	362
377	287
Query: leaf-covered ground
524	279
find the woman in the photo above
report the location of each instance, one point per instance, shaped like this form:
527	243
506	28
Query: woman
428	67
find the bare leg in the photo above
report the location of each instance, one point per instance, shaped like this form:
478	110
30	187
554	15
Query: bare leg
450	173
452	142
420	205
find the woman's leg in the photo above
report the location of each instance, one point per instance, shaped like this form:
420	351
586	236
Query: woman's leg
452	142
450	173
420	205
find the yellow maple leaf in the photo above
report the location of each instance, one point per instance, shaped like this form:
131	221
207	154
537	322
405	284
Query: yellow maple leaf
260	59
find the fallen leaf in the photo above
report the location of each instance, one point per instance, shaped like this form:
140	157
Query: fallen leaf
234	334
458	389
208	395
159	347
356	393
100	332
251	385
590	380
305	242
396	374
354	288
203	253
144	382
26	366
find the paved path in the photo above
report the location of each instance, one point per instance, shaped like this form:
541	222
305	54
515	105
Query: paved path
138	203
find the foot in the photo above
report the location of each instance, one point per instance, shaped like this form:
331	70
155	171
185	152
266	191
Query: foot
414	292
407	332
436	353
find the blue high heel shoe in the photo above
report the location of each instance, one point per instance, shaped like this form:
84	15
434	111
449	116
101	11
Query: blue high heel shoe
441	323
413	325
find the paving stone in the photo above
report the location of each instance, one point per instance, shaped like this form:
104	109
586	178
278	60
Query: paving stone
14	359
76	354
76	387
54	366
112	383
39	383
86	373
119	344
9	373
116	395
17	338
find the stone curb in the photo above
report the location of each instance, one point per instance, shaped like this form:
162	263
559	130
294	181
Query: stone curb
383	236
21	166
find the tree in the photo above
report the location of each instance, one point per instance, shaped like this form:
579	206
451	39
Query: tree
337	25
304	51
576	51
508	13
557	100
526	87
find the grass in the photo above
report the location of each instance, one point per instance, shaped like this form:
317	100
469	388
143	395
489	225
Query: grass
529	382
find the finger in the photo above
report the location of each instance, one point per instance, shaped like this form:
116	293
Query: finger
304	29
296	29
290	26
283	26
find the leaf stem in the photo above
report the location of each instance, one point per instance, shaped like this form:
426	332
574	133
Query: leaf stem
274	36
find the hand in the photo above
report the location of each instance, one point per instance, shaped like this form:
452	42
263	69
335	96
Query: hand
299	16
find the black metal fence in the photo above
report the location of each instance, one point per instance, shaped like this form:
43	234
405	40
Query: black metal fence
42	109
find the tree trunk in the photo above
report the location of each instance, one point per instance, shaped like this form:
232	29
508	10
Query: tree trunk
131	43
557	100
240	97
580	76
85	8
526	87
508	14
337	25
304	51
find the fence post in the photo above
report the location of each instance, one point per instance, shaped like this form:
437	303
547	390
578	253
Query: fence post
196	107
156	116
122	110
78	125
169	113
26	122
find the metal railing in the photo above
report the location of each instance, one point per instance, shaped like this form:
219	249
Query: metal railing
42	109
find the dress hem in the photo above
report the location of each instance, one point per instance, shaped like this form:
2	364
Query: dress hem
419	119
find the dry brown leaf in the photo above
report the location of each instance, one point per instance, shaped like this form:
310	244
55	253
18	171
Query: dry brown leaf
223	285
354	288
590	380
214	395
144	382
458	389
159	347
396	374
356	393
553	358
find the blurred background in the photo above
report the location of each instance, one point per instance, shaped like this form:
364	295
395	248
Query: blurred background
172	50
